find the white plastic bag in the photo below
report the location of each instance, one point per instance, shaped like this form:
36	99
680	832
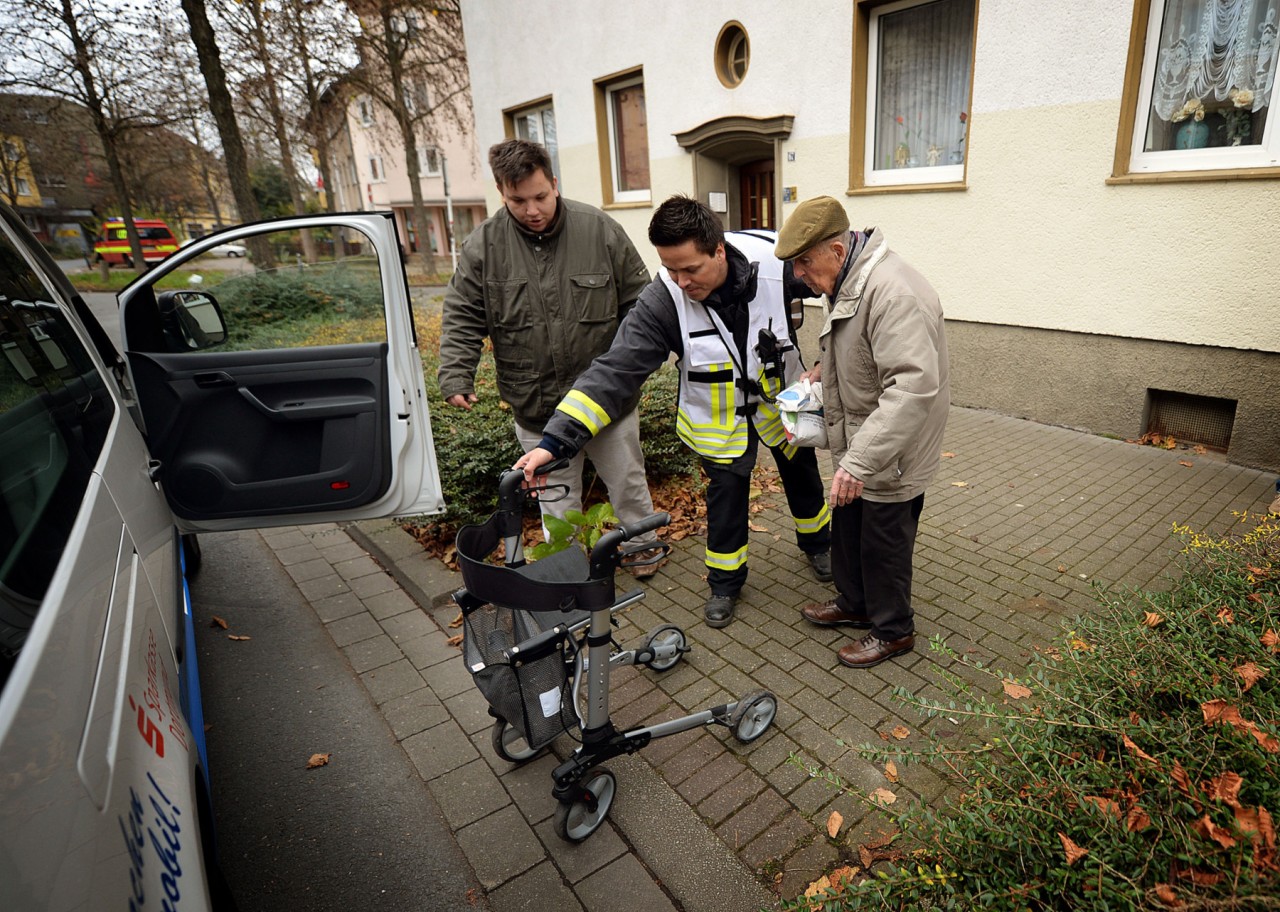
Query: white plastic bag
800	408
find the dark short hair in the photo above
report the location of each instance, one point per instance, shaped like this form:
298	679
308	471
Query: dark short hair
514	160
681	219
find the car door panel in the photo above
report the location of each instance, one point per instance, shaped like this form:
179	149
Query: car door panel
304	423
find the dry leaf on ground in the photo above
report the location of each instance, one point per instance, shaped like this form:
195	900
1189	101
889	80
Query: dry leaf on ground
232	636
882	797
900	732
833	823
1183	462
1250	673
756	527
1016	691
948	455
218	622
1151	619
891	771
455	640
318	760
456	622
1074	852
959	484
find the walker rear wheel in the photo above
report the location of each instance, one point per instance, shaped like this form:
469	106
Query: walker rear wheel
578	819
753	715
509	744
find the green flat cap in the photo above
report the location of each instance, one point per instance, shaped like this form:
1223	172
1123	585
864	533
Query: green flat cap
814	220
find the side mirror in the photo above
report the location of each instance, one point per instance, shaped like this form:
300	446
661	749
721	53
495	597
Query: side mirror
192	320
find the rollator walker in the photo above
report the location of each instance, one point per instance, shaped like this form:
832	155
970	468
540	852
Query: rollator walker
532	632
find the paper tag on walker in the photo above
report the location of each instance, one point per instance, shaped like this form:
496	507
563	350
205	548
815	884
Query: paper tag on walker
550	703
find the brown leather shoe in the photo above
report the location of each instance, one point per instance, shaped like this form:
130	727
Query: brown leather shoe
871	650
827	614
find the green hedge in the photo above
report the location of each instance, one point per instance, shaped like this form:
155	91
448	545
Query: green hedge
1136	765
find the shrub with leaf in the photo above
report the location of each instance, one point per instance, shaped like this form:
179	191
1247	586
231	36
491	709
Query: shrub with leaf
1134	765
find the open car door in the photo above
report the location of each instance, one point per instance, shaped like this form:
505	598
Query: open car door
285	387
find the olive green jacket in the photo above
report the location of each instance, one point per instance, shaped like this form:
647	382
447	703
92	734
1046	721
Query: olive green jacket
550	303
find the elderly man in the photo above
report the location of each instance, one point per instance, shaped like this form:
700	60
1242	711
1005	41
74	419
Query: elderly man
886	392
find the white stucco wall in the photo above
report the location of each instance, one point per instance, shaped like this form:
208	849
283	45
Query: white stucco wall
1036	239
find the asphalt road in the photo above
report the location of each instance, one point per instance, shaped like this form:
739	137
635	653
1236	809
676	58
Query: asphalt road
362	832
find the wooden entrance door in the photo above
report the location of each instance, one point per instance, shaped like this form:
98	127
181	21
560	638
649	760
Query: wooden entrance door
755	184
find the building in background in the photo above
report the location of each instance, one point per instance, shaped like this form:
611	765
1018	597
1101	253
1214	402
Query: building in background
1093	188
368	170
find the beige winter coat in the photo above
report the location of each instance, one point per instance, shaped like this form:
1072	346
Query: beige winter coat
885	379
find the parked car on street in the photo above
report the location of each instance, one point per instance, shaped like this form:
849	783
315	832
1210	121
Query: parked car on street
217	420
225	250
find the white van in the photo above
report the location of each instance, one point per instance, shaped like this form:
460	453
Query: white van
273	397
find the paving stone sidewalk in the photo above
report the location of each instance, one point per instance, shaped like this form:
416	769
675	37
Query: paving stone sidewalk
1021	522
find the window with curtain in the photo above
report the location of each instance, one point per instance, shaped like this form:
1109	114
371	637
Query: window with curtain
628	137
919	74
1208	84
537	123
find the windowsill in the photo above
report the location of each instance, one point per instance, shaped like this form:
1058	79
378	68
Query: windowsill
906	188
1173	177
638	204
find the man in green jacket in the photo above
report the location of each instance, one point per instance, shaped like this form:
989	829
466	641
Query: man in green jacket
548	280
886	392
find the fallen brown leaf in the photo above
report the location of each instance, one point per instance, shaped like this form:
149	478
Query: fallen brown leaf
1062	568
833	823
1225	788
455	640
756	527
218	622
1106	805
1226	617
900	732
948	455
882	797
456	622
1074	852
232	636
1210	830
1167	895
1183	462
1137	819
1271	640
891	771
1250	673
1016	691
959	484
1199	449
1151	619
1137	751
318	760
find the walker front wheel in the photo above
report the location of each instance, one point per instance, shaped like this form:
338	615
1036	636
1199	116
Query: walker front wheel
509	744
753	715
670	639
578	819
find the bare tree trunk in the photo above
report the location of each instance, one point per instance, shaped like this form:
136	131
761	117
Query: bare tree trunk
224	115
105	132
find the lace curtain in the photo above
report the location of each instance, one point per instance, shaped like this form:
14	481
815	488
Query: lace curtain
922	85
1210	48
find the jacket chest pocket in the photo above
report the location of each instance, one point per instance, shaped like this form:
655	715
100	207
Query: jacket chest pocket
593	297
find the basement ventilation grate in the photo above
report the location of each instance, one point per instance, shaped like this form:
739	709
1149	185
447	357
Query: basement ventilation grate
1191	419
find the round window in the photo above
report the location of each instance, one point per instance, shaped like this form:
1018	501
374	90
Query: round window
733	54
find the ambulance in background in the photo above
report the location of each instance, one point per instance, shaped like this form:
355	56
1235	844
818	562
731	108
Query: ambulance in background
113	245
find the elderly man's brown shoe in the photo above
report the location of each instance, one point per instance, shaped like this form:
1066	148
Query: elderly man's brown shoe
871	650
828	614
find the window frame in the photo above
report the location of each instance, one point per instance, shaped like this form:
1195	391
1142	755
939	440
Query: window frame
862	100
512	116
1132	165
424	156
605	87
364	110
377	174
733	35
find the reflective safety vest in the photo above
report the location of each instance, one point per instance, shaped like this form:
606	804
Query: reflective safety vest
713	407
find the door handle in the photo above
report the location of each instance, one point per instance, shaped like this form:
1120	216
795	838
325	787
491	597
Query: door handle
214	378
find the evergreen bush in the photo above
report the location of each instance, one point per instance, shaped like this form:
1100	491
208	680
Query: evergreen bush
1135	765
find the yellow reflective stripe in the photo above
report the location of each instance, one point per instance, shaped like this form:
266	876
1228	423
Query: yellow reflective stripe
731	561
816	524
581	407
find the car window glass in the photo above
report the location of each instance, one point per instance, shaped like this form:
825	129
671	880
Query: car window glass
316	291
54	416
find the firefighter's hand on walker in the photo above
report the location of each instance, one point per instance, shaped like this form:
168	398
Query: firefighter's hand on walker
529	463
845	489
